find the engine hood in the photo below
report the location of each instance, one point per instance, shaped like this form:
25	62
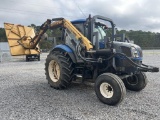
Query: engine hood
118	44
124	47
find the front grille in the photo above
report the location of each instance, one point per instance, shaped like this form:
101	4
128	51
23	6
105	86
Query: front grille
126	50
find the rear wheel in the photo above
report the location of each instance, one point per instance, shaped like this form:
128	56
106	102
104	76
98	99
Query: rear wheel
59	70
136	82
110	89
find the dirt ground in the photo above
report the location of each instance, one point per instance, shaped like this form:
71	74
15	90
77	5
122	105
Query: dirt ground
25	94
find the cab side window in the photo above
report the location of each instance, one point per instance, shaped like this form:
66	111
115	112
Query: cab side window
80	27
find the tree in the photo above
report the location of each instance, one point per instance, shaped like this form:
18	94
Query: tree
2	35
142	38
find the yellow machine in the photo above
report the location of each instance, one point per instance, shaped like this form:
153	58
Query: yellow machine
23	41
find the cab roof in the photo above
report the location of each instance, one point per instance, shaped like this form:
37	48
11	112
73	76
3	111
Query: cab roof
78	21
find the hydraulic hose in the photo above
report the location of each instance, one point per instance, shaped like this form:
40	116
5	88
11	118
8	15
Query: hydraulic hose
85	59
143	67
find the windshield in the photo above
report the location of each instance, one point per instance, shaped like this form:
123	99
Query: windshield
101	34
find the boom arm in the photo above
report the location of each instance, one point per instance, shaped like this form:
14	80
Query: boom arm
60	22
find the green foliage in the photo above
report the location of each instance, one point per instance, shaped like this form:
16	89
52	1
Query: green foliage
2	35
45	44
142	38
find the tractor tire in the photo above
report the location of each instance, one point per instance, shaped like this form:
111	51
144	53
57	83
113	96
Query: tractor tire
59	70
136	82
110	89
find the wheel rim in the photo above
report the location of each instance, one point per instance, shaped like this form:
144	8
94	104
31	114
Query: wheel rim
132	80
54	70
106	90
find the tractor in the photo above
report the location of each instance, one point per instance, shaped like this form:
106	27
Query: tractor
93	51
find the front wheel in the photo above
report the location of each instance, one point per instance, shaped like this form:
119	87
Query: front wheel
110	88
136	82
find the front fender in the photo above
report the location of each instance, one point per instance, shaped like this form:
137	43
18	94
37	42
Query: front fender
63	47
67	49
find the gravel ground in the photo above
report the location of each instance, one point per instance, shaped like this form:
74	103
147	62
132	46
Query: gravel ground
25	94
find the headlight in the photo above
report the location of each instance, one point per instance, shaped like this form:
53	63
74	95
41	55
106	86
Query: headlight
135	52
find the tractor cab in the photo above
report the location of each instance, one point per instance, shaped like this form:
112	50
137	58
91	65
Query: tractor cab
99	30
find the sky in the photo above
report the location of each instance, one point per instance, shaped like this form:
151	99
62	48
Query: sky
127	14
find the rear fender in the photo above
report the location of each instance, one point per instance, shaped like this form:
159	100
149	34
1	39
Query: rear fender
67	49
